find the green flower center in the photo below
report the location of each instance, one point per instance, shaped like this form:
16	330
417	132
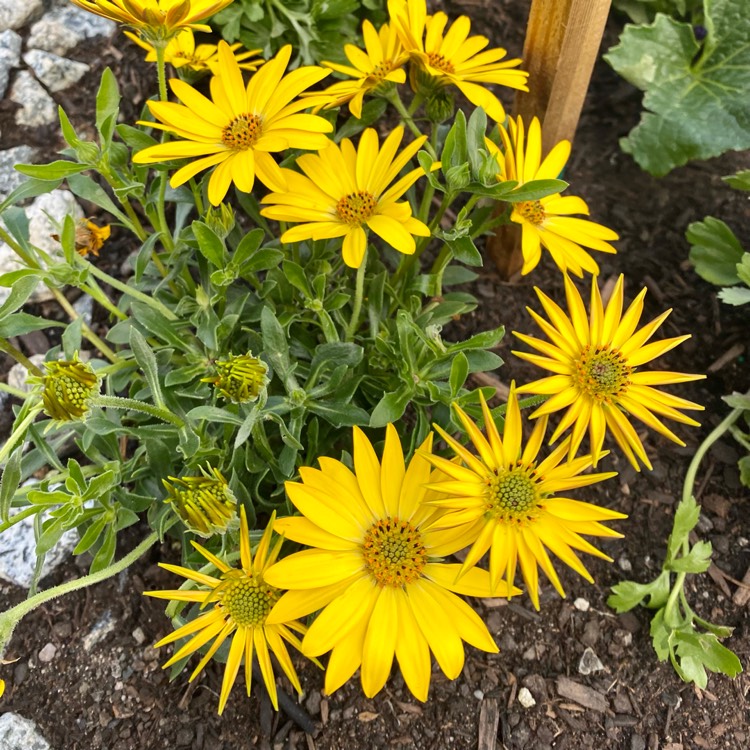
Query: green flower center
513	495
205	504
601	373
240	379
394	553
531	211
247	599
439	62
68	388
243	132
356	208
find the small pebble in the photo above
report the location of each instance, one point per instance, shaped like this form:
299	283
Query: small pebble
479	694
525	698
589	662
581	604
47	654
625	565
139	635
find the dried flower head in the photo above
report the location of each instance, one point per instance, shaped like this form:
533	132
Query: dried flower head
90	237
240	379
205	504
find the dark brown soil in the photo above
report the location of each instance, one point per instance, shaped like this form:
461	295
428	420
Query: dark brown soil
115	696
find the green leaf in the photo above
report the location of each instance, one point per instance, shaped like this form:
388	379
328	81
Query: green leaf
697	560
214	414
390	408
534	190
209	244
147	362
372	111
737	400
84	187
29	189
106	553
744	467
459	373
660	635
685	518
71	338
275	343
464	250
91	535
455	149
705	648
739	181
732	296
20	291
21	323
9	481
629	594
696	96
715	251
248	247
297	277
56	170
107	105
339	414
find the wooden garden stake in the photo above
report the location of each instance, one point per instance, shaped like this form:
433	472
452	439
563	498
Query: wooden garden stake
562	43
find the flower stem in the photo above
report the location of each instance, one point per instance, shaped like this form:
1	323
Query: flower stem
134	293
19	356
19	432
358	296
11	617
115	402
408	120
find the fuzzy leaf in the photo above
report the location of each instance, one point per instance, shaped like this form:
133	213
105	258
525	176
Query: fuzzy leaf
715	251
697	96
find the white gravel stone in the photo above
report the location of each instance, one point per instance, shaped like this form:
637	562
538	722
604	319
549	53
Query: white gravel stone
38	108
18	555
102	628
10	56
525	698
64	27
581	604
17	13
625	565
10	179
55	72
18	374
17	733
589	663
48	653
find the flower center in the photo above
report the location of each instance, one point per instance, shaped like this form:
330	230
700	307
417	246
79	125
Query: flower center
356	208
247	599
439	62
531	211
601	373
381	70
243	132
393	552
513	495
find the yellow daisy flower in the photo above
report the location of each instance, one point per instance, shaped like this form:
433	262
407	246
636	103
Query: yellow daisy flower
454	57
547	222
156	19
375	571
237	604
595	360
382	60
182	52
345	190
503	500
239	127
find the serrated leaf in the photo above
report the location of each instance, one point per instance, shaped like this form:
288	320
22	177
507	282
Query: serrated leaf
629	594
705	647
697	97
697	560
739	181
735	296
685	518
715	251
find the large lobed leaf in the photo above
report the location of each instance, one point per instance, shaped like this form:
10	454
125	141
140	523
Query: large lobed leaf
697	98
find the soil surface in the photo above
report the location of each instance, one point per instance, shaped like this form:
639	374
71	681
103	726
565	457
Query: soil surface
112	694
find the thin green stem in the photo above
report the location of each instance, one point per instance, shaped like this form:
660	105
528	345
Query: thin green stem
161	69
134	293
395	99
11	617
86	332
19	356
197	197
93	289
358	297
18	517
115	402
17	249
19	432
17	392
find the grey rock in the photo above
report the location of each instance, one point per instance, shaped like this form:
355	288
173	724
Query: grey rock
589	663
48	653
84	306
18	374
102	628
55	72
17	733
66	26
37	107
18	556
17	13
10	56
10	179
46	216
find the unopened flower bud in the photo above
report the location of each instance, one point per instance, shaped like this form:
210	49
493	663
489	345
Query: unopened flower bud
205	504
67	389
240	379
440	105
220	219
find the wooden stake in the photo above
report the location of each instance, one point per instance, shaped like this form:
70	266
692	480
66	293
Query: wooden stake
561	47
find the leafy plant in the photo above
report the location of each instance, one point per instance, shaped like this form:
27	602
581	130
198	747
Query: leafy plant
696	90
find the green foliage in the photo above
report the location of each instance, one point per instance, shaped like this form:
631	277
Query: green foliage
697	93
316	28
644	11
674	625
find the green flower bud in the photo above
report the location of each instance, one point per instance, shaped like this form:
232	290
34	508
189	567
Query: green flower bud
240	379
87	152
440	105
220	219
205	504
67	389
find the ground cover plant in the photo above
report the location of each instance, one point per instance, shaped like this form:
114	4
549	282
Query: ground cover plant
299	335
